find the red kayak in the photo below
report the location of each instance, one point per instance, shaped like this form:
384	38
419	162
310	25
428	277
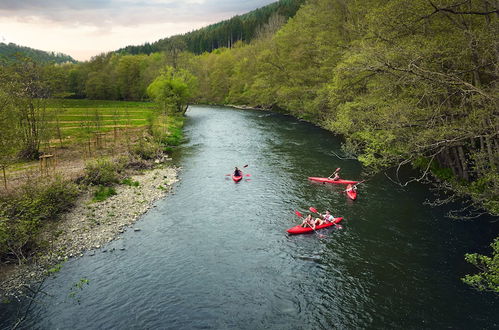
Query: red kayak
352	194
303	230
328	180
237	178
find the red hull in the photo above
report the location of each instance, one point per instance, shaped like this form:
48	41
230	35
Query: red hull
236	178
328	180
352	194
303	230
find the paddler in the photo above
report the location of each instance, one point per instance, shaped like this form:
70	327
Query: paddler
336	175
237	172
351	187
309	222
327	216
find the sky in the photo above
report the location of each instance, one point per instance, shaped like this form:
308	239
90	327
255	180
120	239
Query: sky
85	28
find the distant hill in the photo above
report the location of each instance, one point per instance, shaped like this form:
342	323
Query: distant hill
9	51
222	34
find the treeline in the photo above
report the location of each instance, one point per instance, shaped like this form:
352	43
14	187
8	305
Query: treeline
226	33
10	53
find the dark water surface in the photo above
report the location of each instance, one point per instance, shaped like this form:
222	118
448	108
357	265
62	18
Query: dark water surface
215	255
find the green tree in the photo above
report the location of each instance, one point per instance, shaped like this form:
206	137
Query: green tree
9	139
488	277
172	90
28	88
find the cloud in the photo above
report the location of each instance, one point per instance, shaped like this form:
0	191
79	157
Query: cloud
82	28
123	12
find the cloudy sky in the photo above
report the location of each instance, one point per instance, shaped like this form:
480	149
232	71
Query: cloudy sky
84	28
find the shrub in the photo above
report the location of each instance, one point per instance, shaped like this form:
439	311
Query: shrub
146	149
103	172
23	213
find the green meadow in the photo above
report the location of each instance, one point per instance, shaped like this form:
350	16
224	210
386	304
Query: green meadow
76	119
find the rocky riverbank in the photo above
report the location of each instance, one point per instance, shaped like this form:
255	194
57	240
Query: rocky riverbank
89	226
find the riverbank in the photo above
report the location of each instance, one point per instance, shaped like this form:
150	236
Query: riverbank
90	226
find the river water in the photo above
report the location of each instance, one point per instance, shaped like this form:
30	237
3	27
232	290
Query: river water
215	254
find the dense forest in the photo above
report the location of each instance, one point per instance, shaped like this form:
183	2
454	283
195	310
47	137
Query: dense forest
222	34
406	83
9	52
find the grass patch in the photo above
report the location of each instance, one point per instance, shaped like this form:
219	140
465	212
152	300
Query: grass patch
102	193
130	182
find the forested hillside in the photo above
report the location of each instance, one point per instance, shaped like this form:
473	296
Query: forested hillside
222	34
9	53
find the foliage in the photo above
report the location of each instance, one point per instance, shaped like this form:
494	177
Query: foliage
167	130
102	193
146	149
103	172
488	278
24	84
25	211
9	142
9	52
222	34
172	90
400	80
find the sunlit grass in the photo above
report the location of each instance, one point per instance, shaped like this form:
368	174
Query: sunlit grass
83	118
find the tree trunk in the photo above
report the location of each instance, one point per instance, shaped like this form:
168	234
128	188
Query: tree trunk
463	162
457	163
4	177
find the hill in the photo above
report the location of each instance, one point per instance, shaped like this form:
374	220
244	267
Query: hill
222	34
9	52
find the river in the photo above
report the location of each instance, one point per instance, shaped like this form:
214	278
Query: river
215	254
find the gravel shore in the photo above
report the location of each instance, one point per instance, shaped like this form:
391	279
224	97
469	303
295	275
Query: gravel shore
90	225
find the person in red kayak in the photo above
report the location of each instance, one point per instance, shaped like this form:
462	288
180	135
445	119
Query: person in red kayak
237	172
336	175
351	187
327	216
308	222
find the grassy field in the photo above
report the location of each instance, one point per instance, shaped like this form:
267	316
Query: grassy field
81	130
80	119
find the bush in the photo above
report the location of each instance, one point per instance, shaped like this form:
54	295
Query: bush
488	277
168	130
103	172
23	213
146	149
